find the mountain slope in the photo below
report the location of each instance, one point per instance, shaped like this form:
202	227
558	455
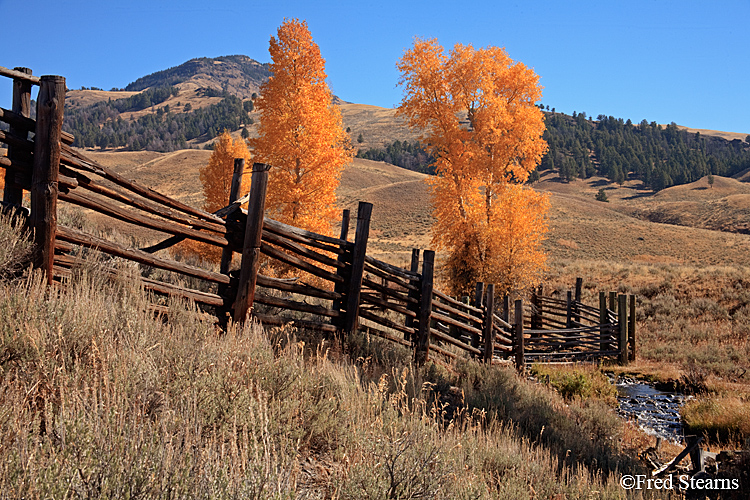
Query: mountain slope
238	75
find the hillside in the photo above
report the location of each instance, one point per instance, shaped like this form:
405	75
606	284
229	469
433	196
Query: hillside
580	227
237	75
725	206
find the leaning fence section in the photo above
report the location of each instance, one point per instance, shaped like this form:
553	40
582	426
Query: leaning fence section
91	186
310	292
390	301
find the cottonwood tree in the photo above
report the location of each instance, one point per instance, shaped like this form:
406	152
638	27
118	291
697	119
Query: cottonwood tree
300	133
477	110
216	176
216	179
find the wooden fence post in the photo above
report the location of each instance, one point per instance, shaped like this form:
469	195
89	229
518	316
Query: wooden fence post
613	301
478	303
520	361
44	176
576	311
345	218
489	333
413	294
631	328
226	252
251	247
354	287
340	287
535	303
506	308
479	295
234	193
540	307
569	310
622	313
603	320
422	351
12	192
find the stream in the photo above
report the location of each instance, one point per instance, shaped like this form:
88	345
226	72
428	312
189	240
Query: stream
656	412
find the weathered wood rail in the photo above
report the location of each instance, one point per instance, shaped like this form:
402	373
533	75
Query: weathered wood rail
335	287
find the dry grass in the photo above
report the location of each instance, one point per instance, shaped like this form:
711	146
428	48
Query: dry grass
378	126
15	252
99	398
583	381
722	418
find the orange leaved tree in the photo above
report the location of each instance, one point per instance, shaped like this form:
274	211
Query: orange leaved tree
477	110
300	133
216	178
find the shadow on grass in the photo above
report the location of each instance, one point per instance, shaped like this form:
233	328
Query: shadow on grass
580	432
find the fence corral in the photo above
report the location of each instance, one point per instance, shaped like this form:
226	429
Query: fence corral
330	284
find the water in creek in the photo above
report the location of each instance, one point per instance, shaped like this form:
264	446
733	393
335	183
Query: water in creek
656	412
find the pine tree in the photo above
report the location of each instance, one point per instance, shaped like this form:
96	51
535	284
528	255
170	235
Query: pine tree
300	133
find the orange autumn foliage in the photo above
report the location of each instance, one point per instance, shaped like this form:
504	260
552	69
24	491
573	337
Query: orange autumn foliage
477	108
300	133
216	176
216	179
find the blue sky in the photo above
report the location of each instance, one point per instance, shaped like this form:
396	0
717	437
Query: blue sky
681	61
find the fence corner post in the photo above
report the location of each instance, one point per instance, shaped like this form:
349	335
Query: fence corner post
622	314
489	320
234	193
362	233
251	247
520	360
422	347
46	170
227	252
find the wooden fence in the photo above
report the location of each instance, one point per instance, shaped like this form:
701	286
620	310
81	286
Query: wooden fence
335	286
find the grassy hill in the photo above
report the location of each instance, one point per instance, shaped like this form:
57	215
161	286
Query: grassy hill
631	227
